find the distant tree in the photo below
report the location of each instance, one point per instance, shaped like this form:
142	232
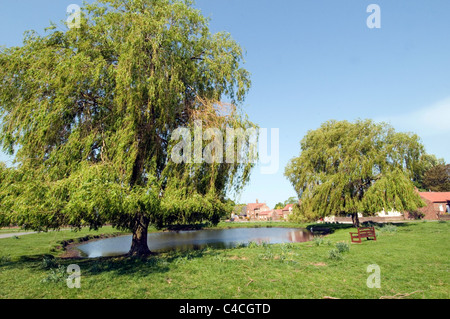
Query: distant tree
427	162
89	114
239	209
349	168
437	179
291	200
279	205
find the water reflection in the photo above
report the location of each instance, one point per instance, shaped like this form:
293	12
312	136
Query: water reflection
187	240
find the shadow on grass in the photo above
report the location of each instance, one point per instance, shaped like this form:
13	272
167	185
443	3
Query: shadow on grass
137	266
327	228
119	265
385	225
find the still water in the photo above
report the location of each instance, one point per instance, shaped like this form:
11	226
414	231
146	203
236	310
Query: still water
187	240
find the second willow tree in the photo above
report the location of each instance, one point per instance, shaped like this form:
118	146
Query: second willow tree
355	168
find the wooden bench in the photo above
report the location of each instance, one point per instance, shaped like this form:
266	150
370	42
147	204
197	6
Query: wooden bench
363	232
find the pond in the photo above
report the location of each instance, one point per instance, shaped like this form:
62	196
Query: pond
199	239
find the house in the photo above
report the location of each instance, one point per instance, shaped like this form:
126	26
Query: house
261	212
287	210
265	215
379	217
437	205
437	208
258	211
278	214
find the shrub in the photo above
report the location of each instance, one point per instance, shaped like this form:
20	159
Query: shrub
181	260
240	245
318	240
48	262
56	275
342	247
335	254
265	244
268	253
252	244
287	246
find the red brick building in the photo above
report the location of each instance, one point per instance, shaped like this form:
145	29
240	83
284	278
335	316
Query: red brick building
261	212
438	205
258	211
278	214
287	210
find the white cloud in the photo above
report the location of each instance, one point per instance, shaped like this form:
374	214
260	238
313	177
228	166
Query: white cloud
428	121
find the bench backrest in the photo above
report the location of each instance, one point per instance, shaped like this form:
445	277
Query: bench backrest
366	231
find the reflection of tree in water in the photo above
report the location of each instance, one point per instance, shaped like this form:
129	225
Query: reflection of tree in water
298	236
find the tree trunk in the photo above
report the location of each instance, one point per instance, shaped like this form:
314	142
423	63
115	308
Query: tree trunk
355	220
139	246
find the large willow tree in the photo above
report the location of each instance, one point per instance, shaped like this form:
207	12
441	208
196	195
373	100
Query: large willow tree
349	168
89	114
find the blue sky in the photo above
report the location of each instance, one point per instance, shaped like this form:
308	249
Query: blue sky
312	61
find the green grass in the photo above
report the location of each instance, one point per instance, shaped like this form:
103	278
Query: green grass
413	258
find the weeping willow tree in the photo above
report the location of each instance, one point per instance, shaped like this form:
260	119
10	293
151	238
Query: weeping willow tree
89	111
349	168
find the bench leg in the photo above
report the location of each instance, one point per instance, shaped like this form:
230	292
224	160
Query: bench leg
355	238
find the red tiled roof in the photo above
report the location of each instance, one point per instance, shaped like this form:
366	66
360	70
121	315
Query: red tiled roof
265	213
254	206
436	197
278	211
288	206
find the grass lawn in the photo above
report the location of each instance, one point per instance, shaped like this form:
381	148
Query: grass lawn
413	258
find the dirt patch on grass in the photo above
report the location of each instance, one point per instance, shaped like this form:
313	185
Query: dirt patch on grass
319	264
238	258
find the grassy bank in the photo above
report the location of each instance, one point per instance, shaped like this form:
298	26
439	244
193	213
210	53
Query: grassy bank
413	258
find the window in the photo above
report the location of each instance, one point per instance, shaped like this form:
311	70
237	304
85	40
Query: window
448	208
